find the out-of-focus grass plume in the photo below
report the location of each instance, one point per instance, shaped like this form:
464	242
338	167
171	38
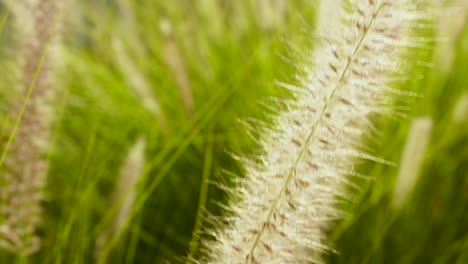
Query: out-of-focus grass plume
29	114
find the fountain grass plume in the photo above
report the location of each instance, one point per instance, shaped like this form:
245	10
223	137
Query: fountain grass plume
412	160
123	196
24	164
281	210
173	59
450	24
460	112
138	83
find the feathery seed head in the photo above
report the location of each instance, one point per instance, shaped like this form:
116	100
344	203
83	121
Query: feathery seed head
173	59
124	194
271	13
460	113
24	172
282	209
450	25
138	83
411	162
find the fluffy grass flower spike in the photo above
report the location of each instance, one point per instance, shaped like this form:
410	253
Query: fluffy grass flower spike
123	196
280	212
25	168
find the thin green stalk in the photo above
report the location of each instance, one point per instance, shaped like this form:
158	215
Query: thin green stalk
207	169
